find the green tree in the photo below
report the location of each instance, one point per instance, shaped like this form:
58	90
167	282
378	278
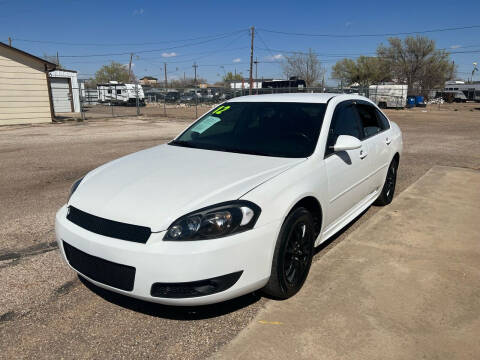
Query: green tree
416	61
229	77
364	71
113	72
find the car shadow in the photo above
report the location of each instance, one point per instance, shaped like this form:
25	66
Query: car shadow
173	312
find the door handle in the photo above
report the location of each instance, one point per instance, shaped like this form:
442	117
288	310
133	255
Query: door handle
388	141
363	154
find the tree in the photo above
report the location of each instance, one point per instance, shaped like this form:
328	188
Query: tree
53	59
416	62
229	77
364	71
184	83
113	72
305	66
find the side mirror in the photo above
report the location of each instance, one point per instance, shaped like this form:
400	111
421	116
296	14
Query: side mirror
347	142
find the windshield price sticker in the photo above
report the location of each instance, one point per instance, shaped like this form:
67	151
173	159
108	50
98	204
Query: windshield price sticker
221	109
205	124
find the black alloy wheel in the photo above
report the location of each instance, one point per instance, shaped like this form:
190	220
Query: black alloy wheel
293	255
388	190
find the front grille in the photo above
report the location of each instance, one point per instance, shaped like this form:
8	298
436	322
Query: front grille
106	272
110	228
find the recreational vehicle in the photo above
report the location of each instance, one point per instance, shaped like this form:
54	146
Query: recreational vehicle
116	93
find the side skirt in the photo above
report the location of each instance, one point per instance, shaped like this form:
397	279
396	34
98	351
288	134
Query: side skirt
347	218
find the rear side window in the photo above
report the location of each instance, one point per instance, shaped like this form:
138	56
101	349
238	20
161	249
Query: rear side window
382	119
369	120
344	122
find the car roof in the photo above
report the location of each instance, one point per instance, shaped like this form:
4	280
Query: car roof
318	98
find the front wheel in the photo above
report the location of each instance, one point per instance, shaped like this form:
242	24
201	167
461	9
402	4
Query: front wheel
293	255
388	190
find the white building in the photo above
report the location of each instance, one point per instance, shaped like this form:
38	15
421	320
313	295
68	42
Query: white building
65	91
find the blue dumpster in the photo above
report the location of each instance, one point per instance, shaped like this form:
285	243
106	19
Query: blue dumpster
410	101
420	101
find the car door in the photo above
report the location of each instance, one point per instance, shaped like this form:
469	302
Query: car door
377	138
346	170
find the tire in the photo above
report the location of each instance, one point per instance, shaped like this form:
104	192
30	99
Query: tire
293	255
388	189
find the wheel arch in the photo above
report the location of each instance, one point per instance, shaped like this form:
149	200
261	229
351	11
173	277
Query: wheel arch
396	157
312	204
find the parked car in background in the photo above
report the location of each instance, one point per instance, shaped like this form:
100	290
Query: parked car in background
172	96
235	203
188	97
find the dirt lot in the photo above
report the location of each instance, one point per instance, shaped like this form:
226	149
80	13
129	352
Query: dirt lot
45	311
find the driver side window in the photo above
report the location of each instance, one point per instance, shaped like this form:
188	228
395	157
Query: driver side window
345	121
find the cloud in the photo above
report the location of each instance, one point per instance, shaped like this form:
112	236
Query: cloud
167	55
138	12
455	46
237	60
275	57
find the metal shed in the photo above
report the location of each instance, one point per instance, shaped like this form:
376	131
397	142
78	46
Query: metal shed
65	94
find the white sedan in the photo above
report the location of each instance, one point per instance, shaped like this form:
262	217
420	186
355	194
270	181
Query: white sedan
235	203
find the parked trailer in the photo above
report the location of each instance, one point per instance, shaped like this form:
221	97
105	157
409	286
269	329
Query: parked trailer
389	96
471	92
115	93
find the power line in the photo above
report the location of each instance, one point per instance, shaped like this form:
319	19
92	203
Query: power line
126	44
372	35
148	51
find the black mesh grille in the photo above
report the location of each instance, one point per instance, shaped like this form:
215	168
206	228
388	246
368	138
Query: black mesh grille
195	288
110	228
106	272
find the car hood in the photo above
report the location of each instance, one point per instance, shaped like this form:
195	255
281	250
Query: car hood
154	187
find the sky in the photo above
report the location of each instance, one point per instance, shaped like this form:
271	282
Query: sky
215	34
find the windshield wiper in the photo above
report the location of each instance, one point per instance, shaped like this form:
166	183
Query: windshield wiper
183	143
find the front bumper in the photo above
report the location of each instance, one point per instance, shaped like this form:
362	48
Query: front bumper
160	261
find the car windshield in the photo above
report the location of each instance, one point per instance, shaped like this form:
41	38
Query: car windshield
279	129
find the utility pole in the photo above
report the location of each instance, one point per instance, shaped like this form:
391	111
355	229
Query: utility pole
252	29
9	41
165	71
58	61
130	68
195	66
256	72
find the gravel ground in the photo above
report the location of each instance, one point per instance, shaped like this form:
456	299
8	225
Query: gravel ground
47	312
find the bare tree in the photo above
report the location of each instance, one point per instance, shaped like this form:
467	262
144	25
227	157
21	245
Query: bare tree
185	83
305	66
416	62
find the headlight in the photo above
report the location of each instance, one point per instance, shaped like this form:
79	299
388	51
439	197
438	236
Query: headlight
74	187
214	221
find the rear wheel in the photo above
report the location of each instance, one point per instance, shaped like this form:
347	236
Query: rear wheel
388	190
293	255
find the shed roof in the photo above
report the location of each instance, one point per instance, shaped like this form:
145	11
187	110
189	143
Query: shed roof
51	66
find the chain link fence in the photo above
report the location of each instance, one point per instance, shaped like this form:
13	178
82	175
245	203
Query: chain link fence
127	100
